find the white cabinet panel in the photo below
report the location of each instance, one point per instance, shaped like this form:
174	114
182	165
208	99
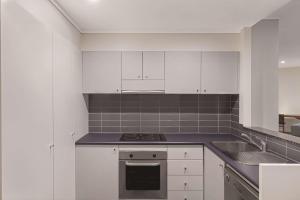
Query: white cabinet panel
102	72
64	89
153	65
132	65
185	152
185	195
97	173
26	107
185	167
185	183
220	72
213	176
182	72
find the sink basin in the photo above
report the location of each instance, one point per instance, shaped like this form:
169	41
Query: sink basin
247	153
235	147
255	158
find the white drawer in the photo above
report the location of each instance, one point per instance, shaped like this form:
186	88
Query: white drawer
185	183
185	167
185	195
185	152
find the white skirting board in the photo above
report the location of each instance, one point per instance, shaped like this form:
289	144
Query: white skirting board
279	182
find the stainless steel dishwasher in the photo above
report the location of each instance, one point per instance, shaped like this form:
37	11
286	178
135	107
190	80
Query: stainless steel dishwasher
237	188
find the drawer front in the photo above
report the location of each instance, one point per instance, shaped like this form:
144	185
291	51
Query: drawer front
185	167
185	153
185	183
185	195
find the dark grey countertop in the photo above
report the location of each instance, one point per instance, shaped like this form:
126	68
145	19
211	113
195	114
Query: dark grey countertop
249	172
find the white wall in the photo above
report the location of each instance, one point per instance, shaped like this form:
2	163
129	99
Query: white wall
289	91
259	75
207	42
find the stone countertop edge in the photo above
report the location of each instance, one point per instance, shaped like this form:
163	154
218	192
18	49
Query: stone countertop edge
251	173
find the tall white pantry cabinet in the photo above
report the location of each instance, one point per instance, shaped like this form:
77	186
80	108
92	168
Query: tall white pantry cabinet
42	109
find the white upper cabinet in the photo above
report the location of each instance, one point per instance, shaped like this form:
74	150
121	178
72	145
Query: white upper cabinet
132	65
102	72
182	72
153	65
219	72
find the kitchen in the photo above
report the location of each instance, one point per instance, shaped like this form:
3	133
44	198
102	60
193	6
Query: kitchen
145	100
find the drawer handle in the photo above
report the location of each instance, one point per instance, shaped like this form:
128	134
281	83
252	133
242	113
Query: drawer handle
185	154
185	184
185	198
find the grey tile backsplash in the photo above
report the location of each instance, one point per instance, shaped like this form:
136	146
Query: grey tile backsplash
112	113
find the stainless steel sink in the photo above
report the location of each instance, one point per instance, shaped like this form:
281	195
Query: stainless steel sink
247	153
255	158
235	146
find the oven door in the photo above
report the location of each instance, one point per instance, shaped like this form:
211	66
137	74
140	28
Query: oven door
143	179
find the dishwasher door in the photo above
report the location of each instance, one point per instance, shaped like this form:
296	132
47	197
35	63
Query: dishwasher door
236	188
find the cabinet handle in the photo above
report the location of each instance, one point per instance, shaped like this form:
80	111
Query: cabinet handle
185	198
146	77
117	90
51	146
185	169
185	184
197	90
139	76
185	154
220	165
204	90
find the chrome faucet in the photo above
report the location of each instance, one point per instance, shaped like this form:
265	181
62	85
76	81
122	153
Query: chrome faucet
262	146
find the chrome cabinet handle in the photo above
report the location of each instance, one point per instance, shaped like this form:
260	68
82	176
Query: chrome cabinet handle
51	146
130	164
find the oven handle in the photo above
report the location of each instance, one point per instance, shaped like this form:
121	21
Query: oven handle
130	164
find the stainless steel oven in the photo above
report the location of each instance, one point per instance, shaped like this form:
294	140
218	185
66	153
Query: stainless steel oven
143	175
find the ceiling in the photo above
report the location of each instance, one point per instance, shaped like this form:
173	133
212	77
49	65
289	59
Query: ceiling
289	33
167	16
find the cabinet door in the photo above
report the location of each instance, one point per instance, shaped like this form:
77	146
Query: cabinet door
64	119
132	65
102	72
182	72
213	176
97	173
153	65
220	72
26	107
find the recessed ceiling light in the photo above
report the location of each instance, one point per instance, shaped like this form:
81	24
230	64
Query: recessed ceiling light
282	62
93	1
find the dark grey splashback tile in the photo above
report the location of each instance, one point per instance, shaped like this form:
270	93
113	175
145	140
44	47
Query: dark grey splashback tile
94	116
189	129
168	129
130	129
169	123
150	129
111	123
210	117
188	123
188	116
164	113
149	116
293	154
169	116
208	123
130	123
111	116
276	148
130	116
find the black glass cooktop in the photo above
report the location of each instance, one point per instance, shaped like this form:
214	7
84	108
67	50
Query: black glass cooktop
142	137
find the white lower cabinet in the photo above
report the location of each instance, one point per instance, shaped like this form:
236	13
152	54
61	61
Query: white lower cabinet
185	172
188	195
97	173
214	176
185	183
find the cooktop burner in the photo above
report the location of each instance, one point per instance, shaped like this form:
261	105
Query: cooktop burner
142	137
